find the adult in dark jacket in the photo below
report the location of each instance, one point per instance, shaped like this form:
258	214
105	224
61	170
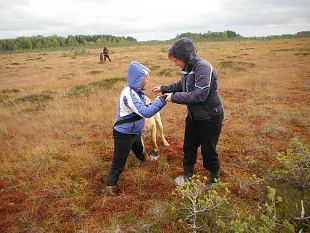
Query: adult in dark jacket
198	90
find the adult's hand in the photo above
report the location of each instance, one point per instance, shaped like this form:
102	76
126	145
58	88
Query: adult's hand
156	90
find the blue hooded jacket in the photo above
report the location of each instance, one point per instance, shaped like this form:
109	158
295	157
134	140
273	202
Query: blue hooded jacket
132	101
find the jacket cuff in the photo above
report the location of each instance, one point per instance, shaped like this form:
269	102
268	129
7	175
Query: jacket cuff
161	89
162	98
172	97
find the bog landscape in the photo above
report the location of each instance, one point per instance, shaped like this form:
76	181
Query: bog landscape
57	109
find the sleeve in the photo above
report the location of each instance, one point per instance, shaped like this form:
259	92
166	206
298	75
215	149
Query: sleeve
202	84
139	107
175	87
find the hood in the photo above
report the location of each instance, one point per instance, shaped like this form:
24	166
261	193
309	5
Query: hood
183	49
136	74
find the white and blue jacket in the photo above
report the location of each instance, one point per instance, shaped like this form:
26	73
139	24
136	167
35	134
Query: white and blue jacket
132	101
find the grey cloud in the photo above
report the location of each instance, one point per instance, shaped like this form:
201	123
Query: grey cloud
17	18
266	12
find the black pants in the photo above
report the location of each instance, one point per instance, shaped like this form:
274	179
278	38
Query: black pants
106	56
204	133
123	143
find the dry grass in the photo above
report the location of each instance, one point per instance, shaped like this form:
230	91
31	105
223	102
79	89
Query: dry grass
56	114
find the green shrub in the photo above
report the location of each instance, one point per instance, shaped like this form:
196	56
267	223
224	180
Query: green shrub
265	221
205	209
166	72
164	50
107	83
200	204
80	90
95	72
4	99
154	67
9	91
36	98
294	176
295	164
68	76
236	65
79	51
87	90
33	102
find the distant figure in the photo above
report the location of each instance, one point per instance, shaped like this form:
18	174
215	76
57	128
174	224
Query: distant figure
104	54
101	56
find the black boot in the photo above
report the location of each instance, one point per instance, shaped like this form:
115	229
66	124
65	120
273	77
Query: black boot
214	175
141	157
188	172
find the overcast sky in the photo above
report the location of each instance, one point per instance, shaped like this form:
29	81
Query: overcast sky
151	20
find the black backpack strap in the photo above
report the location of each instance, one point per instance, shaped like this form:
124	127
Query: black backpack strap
135	118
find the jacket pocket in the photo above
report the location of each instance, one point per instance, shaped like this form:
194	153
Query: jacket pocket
198	112
216	111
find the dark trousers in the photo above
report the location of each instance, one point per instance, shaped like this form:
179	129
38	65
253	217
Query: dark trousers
123	143
106	56
204	133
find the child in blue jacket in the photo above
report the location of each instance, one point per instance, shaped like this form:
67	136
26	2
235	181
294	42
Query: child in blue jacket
132	109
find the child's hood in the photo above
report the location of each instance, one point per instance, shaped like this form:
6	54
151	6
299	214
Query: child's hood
136	74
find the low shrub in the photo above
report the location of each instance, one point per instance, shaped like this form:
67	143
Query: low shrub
166	72
200	205
295	164
36	98
205	209
236	66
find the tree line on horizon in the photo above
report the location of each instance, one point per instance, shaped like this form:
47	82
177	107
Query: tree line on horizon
210	35
231	35
54	42
40	42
